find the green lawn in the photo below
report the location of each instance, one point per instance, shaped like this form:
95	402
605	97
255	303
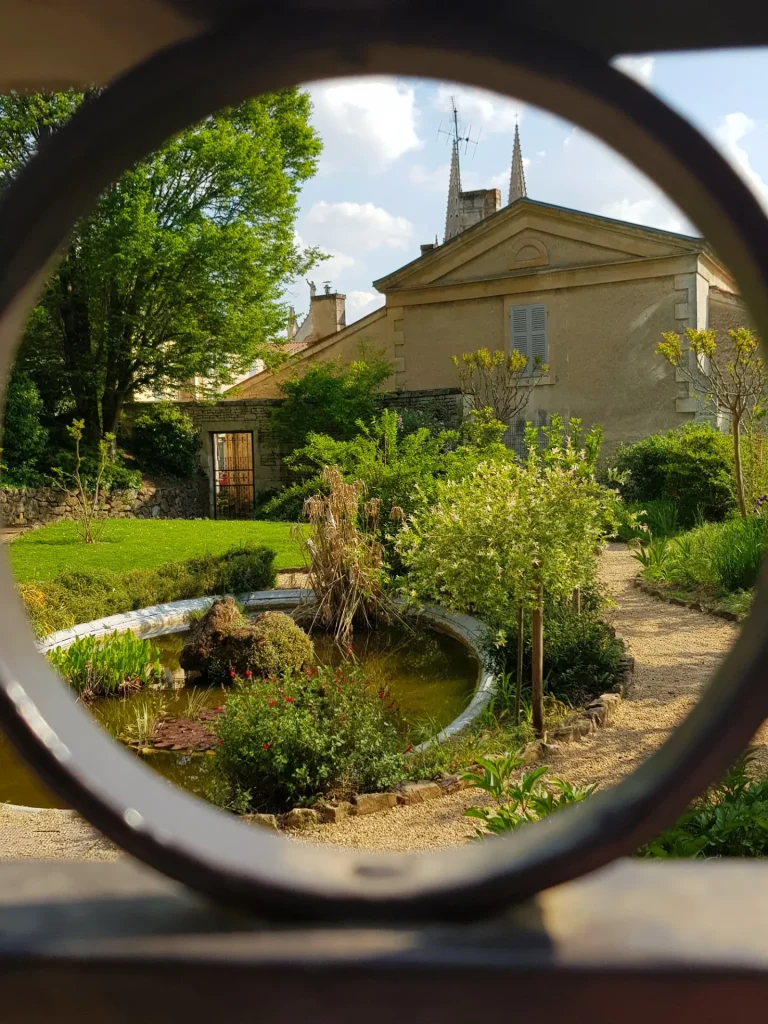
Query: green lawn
142	544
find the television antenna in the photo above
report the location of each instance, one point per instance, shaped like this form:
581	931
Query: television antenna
459	135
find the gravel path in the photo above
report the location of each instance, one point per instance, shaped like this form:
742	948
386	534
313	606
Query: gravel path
675	650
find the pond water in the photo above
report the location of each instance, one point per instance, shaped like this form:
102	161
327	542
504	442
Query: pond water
431	676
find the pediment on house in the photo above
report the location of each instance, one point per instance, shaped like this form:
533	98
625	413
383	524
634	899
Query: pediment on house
528	238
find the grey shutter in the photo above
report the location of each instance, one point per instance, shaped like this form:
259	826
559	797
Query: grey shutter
521	332
529	333
538	335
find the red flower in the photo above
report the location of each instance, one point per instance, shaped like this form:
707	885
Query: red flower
231	673
248	673
307	672
219	741
272	703
408	749
349	649
218	710
265	746
289	700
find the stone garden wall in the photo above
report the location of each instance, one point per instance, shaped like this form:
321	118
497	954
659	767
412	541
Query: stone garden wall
36	507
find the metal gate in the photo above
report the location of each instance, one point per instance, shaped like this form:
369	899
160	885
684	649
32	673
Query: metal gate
233	475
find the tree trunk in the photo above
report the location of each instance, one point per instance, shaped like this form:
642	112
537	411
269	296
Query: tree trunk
537	666
576	600
736	432
519	677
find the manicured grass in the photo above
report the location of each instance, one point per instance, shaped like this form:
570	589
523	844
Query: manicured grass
142	544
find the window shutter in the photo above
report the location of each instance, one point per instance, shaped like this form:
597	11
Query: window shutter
528	331
538	335
521	334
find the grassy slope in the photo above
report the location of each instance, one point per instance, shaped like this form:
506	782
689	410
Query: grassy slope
142	544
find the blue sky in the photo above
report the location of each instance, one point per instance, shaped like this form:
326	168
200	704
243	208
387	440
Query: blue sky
382	184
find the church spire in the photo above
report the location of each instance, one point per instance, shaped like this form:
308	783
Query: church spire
454	193
517	177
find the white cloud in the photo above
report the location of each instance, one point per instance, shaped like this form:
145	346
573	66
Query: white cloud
639	68
585	174
478	108
541	153
646	211
731	130
360	303
356	226
364	122
433	181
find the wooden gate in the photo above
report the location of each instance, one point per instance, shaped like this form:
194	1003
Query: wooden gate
235	495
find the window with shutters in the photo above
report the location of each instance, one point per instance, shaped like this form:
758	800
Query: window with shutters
528	331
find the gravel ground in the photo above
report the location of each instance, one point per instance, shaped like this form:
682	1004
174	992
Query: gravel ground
675	650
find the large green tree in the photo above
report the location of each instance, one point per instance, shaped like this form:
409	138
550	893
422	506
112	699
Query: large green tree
178	271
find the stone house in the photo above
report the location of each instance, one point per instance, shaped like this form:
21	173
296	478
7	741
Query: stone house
590	295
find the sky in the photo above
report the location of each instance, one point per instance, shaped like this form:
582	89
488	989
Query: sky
382	182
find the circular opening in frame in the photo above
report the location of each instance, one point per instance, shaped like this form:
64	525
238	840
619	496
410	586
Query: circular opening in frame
139	828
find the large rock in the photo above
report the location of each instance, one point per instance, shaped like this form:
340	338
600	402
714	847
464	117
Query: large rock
225	641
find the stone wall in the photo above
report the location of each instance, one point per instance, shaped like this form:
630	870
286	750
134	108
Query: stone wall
254	415
42	505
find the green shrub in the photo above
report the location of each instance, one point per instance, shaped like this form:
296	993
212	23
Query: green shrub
581	654
330	398
81	596
289	740
691	466
166	441
107	665
117	476
24	438
730	820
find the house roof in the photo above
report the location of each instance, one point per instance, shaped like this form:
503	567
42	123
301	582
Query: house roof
692	243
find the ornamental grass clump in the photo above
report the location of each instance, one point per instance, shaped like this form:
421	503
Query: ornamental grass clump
346	566
103	666
324	732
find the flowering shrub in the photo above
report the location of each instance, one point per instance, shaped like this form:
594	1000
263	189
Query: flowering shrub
322	732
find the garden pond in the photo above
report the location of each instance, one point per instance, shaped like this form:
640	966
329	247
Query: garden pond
431	676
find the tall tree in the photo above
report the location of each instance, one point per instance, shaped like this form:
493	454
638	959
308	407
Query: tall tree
178	271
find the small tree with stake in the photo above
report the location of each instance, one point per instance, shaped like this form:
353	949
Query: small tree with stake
498	381
733	377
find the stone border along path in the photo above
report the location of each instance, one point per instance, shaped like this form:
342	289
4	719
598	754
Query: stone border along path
675	651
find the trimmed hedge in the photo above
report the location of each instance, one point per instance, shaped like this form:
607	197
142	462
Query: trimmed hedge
81	596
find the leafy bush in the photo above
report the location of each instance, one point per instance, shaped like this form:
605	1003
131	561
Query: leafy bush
730	820
692	466
518	803
330	399
81	596
289	740
581	654
117	476
724	556
24	438
165	441
107	665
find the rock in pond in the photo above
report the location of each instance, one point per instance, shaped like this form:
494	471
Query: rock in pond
225	641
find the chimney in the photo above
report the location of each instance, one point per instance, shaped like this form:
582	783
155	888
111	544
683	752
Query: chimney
328	314
427	247
476	206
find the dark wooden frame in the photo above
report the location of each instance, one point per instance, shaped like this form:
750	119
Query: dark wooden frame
175	833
